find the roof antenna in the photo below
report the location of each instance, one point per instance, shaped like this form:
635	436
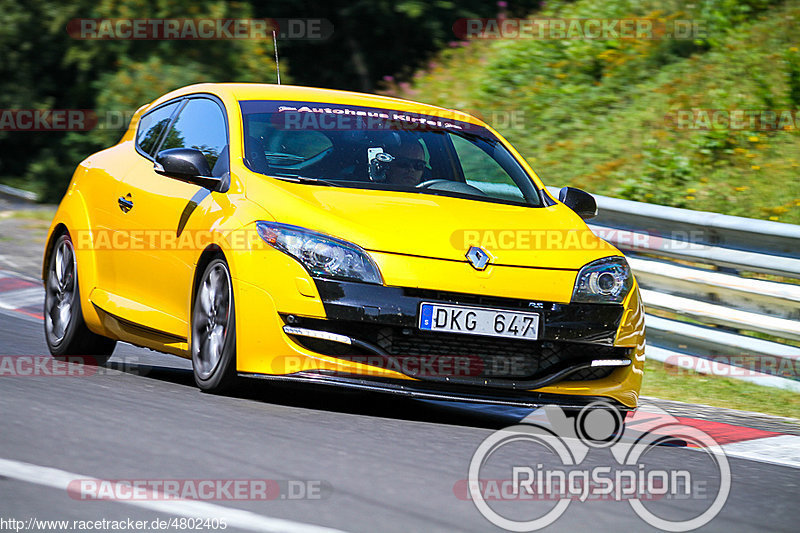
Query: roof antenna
277	63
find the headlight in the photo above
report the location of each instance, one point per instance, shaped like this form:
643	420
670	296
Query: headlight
323	256
606	280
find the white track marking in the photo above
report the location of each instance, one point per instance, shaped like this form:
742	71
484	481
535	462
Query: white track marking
781	450
236	518
21	298
20	316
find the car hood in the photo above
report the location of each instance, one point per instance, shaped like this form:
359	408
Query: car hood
433	226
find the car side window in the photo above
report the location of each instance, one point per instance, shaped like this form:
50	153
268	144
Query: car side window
201	125
152	125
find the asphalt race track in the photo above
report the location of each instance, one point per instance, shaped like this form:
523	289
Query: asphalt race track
363	462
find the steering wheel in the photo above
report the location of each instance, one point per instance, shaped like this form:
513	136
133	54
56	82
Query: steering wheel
427	184
451	186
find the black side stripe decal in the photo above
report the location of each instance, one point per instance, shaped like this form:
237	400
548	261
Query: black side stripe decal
198	197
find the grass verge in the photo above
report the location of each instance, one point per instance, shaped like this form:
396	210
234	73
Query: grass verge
672	383
44	214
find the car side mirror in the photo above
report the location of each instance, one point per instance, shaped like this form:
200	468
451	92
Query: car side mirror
579	201
186	164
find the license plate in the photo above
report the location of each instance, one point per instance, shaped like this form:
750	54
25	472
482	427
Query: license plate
478	321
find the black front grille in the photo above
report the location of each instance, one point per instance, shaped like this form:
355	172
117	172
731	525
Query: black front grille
501	358
590	374
428	355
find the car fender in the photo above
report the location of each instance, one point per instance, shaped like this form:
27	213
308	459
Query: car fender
73	215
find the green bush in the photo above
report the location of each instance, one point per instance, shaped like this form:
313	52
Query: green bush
597	112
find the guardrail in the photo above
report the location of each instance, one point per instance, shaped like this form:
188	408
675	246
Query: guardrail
701	276
17	194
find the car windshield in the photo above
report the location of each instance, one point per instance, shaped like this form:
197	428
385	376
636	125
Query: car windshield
361	147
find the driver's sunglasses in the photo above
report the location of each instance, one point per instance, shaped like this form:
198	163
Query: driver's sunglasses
408	162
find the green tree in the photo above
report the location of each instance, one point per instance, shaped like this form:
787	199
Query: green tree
43	67
376	38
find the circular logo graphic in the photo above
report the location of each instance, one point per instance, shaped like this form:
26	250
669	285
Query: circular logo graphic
569	439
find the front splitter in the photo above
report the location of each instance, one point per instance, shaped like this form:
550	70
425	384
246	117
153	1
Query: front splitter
422	390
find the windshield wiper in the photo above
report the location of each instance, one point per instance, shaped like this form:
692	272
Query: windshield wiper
296	178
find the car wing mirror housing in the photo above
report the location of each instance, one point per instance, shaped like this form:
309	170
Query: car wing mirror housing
579	201
186	164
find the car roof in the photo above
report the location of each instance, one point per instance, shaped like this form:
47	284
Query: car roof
268	91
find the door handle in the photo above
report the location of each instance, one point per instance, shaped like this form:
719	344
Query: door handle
125	203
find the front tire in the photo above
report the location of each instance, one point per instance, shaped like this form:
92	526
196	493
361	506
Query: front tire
214	330
64	328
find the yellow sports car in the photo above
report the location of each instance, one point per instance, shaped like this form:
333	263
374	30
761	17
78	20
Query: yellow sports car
330	237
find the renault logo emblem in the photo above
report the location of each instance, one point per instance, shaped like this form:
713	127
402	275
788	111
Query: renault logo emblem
478	257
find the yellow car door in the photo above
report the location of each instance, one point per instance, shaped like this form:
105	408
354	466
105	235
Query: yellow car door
112	211
158	278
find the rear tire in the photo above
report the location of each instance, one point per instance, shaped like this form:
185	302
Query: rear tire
65	330
214	330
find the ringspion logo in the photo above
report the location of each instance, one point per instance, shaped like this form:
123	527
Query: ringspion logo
548	458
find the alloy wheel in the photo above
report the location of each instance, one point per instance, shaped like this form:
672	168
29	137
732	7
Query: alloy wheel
210	324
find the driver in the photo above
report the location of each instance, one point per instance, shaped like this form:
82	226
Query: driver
408	164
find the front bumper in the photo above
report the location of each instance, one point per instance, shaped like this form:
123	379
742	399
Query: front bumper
377	326
389	352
